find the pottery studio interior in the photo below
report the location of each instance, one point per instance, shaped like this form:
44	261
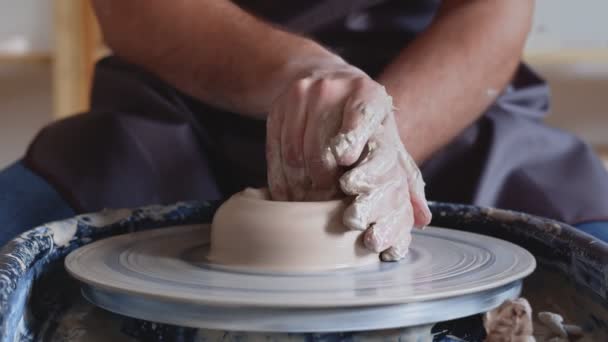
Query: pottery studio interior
326	170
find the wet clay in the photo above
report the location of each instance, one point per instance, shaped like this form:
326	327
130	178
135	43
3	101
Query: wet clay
251	232
564	308
511	321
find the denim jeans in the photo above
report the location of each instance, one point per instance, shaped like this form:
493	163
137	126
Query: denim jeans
27	201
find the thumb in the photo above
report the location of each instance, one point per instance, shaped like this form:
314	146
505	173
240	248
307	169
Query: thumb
364	112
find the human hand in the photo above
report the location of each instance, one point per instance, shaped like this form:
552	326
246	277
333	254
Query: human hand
301	123
387	183
338	124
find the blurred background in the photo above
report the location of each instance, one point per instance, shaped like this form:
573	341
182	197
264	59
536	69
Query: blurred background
47	49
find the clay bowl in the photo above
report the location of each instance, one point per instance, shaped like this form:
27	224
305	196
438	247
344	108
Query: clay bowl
252	233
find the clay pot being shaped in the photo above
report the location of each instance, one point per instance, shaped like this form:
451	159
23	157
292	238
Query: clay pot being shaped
251	232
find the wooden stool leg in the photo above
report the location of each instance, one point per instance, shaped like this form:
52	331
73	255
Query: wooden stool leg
74	56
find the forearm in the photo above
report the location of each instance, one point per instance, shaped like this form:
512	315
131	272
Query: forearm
449	75
211	50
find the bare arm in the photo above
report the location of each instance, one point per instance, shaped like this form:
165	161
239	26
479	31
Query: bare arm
215	51
446	78
212	50
323	112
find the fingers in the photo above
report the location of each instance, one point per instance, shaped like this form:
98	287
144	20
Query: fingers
369	207
390	196
387	217
293	106
303	139
326	100
277	183
389	230
373	170
401	242
399	250
364	112
422	213
292	132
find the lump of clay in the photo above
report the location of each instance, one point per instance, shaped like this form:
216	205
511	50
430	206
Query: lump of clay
511	321
253	233
552	328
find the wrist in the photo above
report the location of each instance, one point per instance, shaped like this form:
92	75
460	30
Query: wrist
273	82
307	66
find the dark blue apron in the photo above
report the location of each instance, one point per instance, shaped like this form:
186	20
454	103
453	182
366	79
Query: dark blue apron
145	142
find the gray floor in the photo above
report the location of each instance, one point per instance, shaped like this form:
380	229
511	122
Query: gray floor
580	98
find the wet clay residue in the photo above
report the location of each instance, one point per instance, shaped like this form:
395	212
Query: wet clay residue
511	321
561	304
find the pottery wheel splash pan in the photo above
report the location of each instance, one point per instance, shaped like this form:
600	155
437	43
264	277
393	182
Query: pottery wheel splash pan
162	276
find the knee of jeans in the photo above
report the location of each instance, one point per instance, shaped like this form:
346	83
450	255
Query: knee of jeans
27	201
597	229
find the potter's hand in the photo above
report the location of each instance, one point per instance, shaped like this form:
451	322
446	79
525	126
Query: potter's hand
338	119
387	183
301	124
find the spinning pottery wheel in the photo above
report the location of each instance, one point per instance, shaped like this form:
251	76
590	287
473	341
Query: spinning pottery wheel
164	276
39	298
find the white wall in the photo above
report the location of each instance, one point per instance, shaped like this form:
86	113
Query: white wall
26	25
569	24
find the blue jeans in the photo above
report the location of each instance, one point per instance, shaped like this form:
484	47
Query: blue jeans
598	229
27	201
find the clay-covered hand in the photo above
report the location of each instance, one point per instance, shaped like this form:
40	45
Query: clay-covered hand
300	126
334	131
387	183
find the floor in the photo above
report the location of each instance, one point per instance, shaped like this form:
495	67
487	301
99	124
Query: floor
578	91
25	106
